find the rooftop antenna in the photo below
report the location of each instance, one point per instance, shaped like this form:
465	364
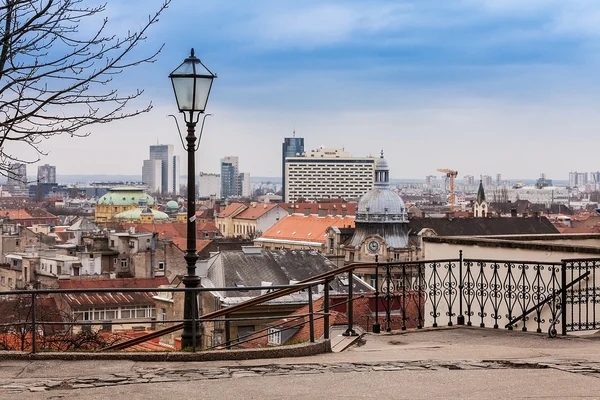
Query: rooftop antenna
294	132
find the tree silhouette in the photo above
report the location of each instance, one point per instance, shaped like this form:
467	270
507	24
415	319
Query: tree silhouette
55	79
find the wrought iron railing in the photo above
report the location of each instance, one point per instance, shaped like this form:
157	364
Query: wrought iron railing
472	292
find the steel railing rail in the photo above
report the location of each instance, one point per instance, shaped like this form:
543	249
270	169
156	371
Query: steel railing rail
249	303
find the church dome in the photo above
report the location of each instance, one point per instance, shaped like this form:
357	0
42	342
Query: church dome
125	196
136	214
172	205
381	204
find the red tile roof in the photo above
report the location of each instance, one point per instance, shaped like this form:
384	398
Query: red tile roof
332	208
256	210
77	300
172	230
231	209
309	228
181	243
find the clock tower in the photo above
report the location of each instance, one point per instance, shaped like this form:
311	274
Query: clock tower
381	225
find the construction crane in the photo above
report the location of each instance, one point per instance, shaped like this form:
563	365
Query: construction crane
452	175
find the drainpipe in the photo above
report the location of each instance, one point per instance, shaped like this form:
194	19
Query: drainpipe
152	251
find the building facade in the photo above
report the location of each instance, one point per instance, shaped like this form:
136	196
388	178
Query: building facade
230	177
119	200
328	173
292	147
152	175
169	167
46	174
17	174
245	185
209	185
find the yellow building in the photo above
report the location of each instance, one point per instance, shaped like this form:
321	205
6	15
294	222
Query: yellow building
119	200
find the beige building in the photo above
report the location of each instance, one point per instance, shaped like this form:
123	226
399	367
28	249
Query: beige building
328	173
119	200
240	220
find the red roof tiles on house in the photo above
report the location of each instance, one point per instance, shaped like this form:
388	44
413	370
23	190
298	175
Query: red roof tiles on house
181	243
255	211
77	300
310	228
232	210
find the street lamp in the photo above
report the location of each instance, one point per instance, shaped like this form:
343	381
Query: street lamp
192	82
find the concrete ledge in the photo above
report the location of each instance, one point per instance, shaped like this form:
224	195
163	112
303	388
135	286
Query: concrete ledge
296	350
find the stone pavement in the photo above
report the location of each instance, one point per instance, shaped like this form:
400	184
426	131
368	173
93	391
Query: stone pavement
465	363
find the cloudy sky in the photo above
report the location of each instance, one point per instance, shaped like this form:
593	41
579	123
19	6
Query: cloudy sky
480	86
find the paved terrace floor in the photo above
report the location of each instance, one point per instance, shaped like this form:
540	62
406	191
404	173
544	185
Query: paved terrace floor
457	363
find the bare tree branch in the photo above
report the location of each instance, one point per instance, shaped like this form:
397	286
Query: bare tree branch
56	80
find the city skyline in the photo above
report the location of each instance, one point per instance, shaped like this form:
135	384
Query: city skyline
435	85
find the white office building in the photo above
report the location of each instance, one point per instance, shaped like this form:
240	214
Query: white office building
209	185
169	169
328	173
546	195
152	175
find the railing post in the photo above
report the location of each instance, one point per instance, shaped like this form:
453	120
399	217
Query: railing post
350	330
376	326
227	332
194	316
388	311
563	298
403	297
311	317
33	325
326	311
460	320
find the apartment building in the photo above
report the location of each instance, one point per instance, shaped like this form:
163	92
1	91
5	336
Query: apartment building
328	173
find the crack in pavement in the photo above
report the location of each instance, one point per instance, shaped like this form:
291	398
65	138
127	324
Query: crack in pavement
140	375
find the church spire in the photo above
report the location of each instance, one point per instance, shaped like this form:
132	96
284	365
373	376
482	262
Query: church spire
480	193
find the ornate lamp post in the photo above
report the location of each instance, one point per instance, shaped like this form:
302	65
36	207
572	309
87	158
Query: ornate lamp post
192	82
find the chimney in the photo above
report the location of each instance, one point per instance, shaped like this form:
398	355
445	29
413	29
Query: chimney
513	212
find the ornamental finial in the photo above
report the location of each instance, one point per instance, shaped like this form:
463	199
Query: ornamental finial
192	52
381	153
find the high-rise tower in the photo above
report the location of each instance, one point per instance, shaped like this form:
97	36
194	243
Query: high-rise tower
292	147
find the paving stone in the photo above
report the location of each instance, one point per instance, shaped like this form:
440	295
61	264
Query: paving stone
82	386
38	389
112	379
244	374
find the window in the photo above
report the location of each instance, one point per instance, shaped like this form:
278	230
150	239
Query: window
396	256
351	256
10	282
115	261
15	263
274	336
3	281
111	313
17	242
161	266
124	263
112	243
91	255
163	315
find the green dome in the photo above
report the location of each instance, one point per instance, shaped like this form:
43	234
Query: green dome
172	205
137	212
125	196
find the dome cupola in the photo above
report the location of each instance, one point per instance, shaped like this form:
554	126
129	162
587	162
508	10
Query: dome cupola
381	204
